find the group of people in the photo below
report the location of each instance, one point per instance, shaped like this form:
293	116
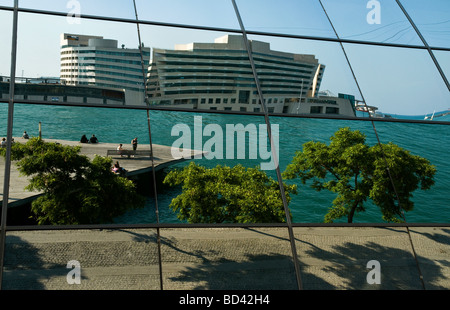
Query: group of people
117	168
4	141
93	139
134	144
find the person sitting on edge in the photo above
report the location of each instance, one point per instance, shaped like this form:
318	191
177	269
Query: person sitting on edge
117	169
84	139
4	142
93	139
25	135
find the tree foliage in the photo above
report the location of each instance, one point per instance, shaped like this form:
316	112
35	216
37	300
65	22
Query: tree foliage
357	172
227	194
75	189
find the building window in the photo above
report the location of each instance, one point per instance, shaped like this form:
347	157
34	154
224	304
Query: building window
213	108
244	96
271	109
203	101
243	109
315	110
227	109
225	100
210	100
217	100
256	109
233	100
332	110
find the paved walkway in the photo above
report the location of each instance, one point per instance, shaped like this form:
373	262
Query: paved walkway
162	158
229	258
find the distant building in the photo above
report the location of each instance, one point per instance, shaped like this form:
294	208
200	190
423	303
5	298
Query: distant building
218	76
50	90
95	61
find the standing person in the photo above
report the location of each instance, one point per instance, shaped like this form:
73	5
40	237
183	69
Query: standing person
134	143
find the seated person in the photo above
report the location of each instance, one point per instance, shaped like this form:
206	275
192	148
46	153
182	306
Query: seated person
117	169
84	139
119	150
93	139
25	135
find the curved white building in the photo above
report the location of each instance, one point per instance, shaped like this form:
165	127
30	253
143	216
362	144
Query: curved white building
95	61
218	76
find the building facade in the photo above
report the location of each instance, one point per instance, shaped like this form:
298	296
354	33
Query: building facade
218	76
95	61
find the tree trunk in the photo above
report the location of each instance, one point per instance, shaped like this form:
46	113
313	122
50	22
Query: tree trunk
352	211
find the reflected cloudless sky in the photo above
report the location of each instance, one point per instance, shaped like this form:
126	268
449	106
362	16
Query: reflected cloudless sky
398	81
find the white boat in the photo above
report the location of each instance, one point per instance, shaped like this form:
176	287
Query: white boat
430	117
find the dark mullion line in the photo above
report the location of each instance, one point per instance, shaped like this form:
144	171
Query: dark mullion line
178	109
8	159
229	30
11	228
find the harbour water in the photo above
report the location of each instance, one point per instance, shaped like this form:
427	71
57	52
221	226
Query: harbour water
308	206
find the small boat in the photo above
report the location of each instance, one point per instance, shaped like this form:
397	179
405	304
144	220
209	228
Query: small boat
430	117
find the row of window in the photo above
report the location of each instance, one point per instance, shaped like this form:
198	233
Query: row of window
122	53
235	58
233	100
181	64
328	110
102	78
96	72
234	78
97	65
244	109
210	70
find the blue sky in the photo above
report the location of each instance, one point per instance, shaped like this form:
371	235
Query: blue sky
396	80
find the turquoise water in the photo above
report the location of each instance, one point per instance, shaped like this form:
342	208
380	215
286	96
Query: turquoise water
120	126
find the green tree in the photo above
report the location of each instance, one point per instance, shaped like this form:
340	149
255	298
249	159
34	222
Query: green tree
357	172
75	189
227	194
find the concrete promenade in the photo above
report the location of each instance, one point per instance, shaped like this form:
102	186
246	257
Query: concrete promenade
250	258
162	158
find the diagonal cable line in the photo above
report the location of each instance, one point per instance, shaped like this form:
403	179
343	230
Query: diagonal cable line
381	148
436	63
269	131
151	146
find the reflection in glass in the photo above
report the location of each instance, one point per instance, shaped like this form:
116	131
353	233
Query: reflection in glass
398	81
287	17
371	21
431	19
